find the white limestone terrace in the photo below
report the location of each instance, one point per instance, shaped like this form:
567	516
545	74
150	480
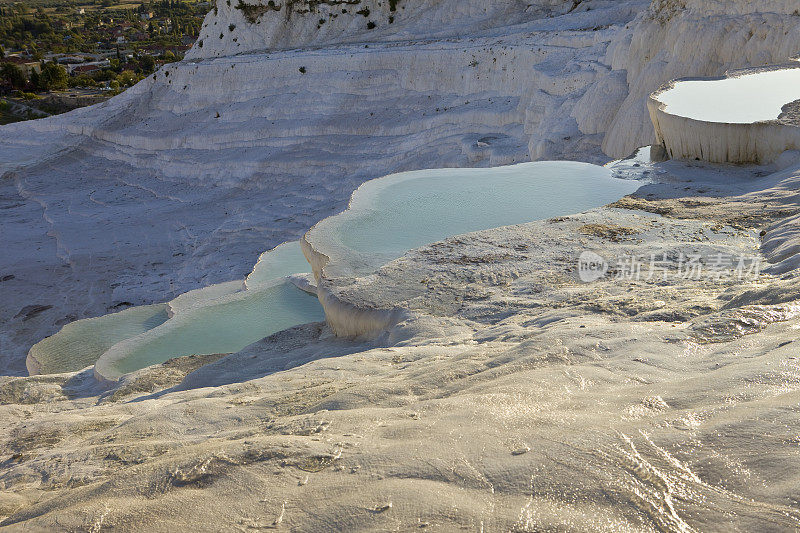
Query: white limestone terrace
182	181
748	116
386	217
391	215
516	398
513	398
693	38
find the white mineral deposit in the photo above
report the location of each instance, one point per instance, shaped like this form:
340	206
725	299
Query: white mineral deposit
394	265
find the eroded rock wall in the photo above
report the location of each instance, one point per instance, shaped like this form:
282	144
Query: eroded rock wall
239	26
687	38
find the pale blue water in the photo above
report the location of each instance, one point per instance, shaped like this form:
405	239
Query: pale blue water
222	327
80	343
281	261
743	100
391	215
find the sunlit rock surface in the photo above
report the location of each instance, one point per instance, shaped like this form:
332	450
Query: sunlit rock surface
513	396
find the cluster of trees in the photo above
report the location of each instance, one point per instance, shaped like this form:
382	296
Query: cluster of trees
186	18
53	77
168	8
20	26
121	75
35	30
62	30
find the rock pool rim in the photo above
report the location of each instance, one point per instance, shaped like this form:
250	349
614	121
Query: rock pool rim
367	191
345	318
37	366
105	368
740	143
730	75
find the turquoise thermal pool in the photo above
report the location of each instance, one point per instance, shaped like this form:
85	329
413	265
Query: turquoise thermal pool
391	215
80	343
745	99
223	326
281	261
386	217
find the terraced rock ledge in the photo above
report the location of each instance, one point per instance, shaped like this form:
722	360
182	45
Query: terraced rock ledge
713	120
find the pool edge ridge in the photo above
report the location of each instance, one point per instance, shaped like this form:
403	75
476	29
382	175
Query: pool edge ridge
32	365
347	319
759	142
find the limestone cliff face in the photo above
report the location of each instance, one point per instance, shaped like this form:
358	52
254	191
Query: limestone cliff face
238	26
683	38
668	39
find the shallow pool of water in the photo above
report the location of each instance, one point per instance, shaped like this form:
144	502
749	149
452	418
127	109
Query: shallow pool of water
80	343
224	326
391	215
743	100
281	261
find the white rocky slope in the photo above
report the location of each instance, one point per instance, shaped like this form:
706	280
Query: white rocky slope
235	26
182	181
513	398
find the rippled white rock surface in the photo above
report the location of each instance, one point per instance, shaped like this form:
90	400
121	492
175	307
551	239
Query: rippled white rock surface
514	396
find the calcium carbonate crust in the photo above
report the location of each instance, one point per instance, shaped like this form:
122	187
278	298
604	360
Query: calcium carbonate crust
704	38
723	142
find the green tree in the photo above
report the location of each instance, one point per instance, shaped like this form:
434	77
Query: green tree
53	77
127	79
82	81
147	64
13	75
